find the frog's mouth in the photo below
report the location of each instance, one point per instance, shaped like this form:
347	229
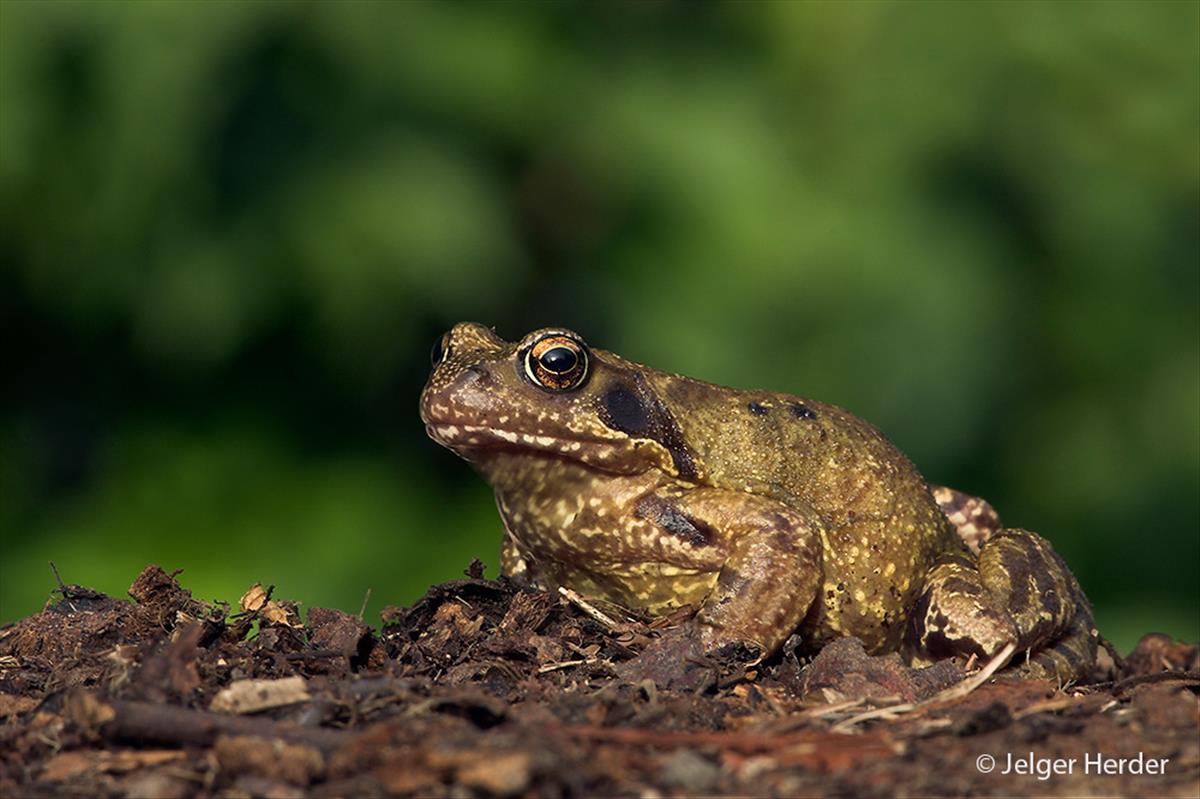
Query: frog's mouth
466	436
619	455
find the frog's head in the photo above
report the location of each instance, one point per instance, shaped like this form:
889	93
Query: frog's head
548	394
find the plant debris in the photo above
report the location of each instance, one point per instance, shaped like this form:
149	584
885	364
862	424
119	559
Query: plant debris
481	688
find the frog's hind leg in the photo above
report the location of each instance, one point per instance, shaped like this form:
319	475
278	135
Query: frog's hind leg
1018	591
974	519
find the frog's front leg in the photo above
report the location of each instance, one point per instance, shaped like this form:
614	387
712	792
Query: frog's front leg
513	564
772	570
1019	591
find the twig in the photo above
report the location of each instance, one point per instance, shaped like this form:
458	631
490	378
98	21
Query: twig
789	722
1118	661
953	692
586	607
363	608
834	708
71	591
563	664
1050	705
880	712
971	683
145	721
1161	676
62	587
929	726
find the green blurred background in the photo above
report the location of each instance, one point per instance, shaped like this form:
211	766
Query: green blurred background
229	234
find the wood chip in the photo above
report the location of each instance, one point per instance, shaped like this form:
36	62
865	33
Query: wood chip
67	765
251	696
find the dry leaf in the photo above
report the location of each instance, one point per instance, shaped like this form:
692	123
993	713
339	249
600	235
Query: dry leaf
253	599
274	612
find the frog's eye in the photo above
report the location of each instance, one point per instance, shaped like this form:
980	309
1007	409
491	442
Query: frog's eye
557	362
440	351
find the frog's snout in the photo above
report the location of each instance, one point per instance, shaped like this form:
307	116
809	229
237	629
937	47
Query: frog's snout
457	394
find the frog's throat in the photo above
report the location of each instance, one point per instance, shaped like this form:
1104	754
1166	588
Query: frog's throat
618	455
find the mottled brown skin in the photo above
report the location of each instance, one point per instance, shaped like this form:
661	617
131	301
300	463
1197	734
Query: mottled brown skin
773	514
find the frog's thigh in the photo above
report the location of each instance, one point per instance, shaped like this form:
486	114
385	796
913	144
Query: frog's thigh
974	519
772	571
1018	592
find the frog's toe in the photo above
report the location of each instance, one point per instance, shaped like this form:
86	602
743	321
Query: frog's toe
974	519
1071	657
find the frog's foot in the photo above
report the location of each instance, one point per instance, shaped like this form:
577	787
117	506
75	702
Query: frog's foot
1072	656
844	667
974	519
1018	591
675	660
513	565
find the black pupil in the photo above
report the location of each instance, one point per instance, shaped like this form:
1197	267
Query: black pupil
435	356
559	360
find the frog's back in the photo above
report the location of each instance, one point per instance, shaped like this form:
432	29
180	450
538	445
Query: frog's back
796	450
882	527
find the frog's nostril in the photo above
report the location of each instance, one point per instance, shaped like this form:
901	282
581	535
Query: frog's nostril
471	389
473	377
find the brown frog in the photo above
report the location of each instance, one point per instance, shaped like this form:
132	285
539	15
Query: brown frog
771	513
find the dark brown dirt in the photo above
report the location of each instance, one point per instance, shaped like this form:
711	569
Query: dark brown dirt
482	689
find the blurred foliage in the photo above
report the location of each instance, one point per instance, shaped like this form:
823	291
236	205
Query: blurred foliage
230	232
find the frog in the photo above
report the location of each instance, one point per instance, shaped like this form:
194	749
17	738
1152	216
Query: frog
771	515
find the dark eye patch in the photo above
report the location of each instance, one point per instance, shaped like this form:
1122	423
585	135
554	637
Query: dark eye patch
624	411
630	406
758	410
